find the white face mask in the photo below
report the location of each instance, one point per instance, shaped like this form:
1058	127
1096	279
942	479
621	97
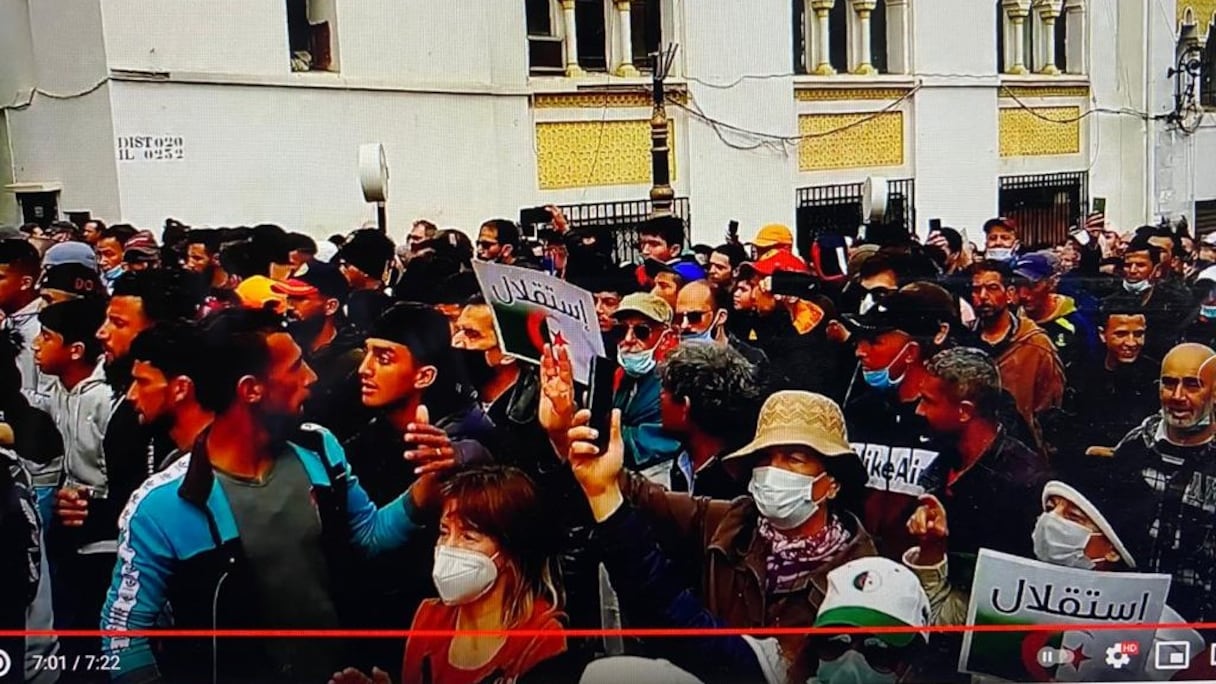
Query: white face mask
851	668
783	497
461	575
1136	288
999	253
1061	542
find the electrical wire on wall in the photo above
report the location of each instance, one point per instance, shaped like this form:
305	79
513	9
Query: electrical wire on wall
17	106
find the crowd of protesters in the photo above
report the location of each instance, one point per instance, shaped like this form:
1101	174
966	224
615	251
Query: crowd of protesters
246	429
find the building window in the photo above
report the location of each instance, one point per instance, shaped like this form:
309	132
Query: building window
1060	45
646	23
836	209
862	37
1205	217
594	35
1207	81
545	55
1041	36
1045	206
312	35
592	30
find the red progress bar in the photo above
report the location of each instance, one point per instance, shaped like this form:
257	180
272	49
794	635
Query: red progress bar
585	633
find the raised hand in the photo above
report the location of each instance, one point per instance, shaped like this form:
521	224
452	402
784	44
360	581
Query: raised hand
557	389
928	525
433	456
598	473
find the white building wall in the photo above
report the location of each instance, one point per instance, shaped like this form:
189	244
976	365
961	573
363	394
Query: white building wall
955	118
725	43
445	87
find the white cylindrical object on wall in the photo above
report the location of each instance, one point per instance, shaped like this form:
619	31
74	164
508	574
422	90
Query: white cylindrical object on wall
373	172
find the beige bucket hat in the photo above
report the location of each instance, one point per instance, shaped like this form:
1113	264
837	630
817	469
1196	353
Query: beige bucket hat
796	418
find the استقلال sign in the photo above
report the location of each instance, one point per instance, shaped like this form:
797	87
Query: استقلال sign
151	148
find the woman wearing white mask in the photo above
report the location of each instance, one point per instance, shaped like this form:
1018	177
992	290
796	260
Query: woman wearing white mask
492	570
1072	531
761	561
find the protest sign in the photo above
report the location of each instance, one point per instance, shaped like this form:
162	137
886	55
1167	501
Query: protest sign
895	469
1010	590
532	309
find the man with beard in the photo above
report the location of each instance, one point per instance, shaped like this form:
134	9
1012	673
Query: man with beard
165	358
132	450
409	370
1028	362
991	482
258	526
203	257
315	295
1170	461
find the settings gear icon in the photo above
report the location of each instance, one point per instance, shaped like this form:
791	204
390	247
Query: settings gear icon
1116	658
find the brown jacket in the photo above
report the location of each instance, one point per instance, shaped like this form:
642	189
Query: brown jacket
1031	371
728	556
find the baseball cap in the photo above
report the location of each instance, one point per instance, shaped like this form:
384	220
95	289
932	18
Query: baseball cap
778	261
773	235
876	592
917	309
1034	267
141	248
685	270
70	253
73	278
646	304
315	278
257	291
1006	223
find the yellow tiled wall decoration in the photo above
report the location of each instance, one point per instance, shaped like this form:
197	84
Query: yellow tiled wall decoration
878	141
1023	134
844	94
1202	11
574	154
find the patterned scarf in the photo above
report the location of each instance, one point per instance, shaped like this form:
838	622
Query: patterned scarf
791	559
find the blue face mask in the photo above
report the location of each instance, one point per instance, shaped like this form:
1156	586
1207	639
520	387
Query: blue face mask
707	336
636	364
112	274
881	379
1208	311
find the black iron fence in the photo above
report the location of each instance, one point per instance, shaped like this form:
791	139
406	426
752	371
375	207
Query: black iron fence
1044	206
623	219
837	209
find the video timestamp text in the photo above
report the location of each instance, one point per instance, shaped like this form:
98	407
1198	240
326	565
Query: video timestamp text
78	663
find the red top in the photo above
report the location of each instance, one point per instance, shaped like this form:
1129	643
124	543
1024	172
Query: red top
426	659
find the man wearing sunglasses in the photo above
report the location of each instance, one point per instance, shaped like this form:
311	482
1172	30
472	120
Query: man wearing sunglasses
871	592
643	322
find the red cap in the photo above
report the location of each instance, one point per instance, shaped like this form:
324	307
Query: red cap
779	260
293	288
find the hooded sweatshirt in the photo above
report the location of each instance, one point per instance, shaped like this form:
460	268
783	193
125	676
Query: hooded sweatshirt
82	415
1030	370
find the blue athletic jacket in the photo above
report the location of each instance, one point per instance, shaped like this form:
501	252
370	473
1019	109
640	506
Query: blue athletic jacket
178	546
